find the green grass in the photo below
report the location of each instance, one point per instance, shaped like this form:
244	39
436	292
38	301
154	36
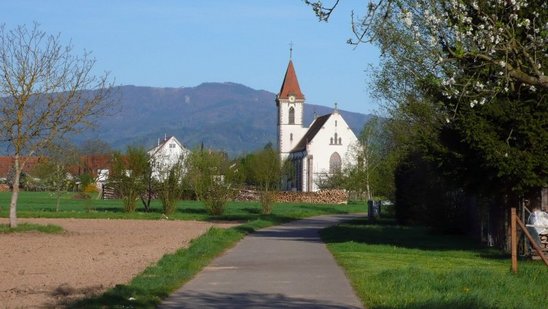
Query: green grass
31	227
409	267
42	205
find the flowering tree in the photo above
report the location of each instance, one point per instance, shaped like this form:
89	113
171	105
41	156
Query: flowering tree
475	50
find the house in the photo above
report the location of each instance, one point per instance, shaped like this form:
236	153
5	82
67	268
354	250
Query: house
165	155
314	152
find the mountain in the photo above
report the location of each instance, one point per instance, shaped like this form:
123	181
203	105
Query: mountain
225	116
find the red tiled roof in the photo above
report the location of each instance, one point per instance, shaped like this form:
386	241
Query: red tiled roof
7	162
290	85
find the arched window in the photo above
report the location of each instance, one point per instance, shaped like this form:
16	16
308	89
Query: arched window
291	136
335	163
291	115
336	139
331	141
340	141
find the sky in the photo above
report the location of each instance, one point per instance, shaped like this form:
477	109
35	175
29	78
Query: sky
183	43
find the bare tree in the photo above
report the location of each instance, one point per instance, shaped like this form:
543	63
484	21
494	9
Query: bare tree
44	94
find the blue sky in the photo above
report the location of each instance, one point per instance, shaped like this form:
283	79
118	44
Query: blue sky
182	43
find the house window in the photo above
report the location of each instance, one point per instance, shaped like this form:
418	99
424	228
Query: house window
171	145
291	115
335	163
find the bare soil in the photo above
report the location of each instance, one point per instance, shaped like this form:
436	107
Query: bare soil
92	255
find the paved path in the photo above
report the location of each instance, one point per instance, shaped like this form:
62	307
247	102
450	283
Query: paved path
286	266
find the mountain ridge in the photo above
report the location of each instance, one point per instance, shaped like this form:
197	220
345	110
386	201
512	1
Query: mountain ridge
226	116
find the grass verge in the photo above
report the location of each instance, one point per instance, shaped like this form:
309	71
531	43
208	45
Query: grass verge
157	282
408	267
31	227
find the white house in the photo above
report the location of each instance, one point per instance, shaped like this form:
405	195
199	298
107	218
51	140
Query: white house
316	151
165	155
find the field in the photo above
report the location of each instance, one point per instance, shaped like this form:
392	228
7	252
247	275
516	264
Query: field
408	267
112	262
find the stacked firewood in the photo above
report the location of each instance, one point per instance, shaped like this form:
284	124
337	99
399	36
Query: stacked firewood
320	197
247	195
543	241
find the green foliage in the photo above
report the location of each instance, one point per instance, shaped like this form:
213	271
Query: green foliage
392	266
210	176
170	187
31	227
127	175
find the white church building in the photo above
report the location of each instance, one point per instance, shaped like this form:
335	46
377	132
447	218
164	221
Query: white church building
314	152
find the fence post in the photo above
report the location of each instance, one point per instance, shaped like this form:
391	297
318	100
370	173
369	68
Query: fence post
514	240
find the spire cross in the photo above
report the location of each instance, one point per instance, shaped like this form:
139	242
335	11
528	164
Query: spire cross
291	50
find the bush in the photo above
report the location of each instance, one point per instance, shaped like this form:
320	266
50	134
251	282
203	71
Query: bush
267	200
216	198
90	188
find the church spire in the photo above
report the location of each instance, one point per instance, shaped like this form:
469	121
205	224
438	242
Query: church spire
290	85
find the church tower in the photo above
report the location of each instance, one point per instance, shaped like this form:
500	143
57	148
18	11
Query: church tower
290	103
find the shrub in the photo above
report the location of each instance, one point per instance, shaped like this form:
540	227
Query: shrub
90	188
267	200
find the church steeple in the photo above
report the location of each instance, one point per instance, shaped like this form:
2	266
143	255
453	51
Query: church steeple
290	85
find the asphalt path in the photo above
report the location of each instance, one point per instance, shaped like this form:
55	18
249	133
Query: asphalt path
286	266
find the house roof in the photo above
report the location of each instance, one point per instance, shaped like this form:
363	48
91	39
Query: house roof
311	133
162	143
290	85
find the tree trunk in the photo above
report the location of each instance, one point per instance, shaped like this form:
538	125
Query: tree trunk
15	194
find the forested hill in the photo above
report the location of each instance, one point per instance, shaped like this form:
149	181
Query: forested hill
225	116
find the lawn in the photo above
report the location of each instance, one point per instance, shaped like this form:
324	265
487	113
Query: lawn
409	267
42	205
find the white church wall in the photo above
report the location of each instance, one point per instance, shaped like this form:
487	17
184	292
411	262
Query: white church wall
321	147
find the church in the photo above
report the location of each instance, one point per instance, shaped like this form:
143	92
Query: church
314	152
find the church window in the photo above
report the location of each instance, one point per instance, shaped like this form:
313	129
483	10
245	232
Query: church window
335	163
336	138
331	141
291	136
335	122
291	115
340	141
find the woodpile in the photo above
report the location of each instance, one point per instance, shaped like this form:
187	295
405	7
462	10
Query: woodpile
247	195
543	246
320	197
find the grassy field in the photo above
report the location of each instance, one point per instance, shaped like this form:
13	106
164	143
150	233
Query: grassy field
408	267
42	205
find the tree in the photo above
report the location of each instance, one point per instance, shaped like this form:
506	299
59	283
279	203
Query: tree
363	176
128	175
469	78
266	173
170	185
54	169
210	176
43	90
505	39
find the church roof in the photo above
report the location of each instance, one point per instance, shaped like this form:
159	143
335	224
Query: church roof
311	133
290	85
